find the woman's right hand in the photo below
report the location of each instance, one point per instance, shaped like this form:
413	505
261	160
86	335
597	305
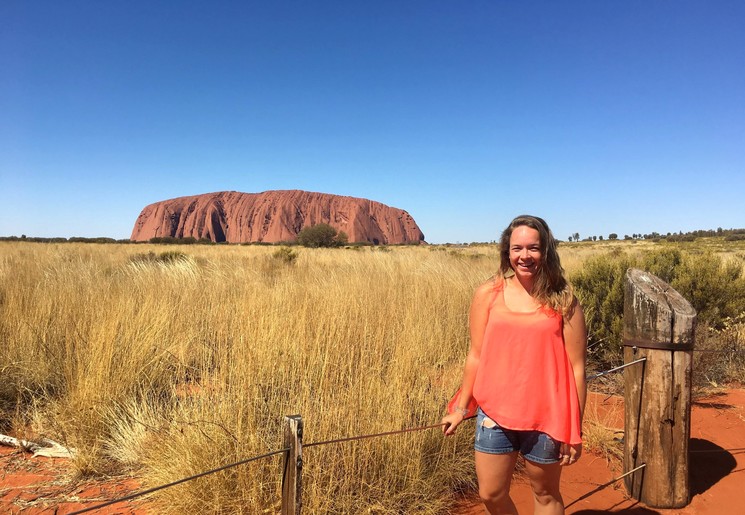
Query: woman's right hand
450	422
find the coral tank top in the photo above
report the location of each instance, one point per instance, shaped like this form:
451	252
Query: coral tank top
525	380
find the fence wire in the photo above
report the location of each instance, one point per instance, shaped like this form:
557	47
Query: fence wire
362	437
595	376
184	480
604	485
315	444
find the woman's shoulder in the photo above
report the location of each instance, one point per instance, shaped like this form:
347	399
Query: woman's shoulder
488	288
574	307
567	305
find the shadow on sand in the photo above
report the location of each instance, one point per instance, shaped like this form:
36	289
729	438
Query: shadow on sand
708	464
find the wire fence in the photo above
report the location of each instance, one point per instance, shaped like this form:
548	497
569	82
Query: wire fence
605	485
184	480
376	435
615	369
285	451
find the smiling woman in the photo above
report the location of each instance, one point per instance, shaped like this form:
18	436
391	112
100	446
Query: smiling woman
526	371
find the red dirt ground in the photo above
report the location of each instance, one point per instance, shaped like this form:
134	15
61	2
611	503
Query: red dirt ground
47	486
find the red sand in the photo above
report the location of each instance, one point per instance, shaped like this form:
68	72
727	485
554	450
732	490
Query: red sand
46	486
717	478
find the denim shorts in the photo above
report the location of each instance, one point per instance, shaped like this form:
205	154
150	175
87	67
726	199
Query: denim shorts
536	446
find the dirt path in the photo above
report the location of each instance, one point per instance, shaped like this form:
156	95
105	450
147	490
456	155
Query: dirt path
46	486
717	478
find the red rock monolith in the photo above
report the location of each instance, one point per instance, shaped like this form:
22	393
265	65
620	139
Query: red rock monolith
272	217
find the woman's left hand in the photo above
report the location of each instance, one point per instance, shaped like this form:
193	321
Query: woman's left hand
569	454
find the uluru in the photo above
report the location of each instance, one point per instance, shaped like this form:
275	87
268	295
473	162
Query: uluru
273	217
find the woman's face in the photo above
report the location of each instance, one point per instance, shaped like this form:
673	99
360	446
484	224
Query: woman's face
525	251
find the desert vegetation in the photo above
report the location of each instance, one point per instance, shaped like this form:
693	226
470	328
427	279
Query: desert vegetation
167	361
321	235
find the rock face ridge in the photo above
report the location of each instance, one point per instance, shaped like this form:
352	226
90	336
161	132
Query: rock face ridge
273	216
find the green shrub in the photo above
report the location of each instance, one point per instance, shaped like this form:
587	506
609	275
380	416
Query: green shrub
321	235
663	263
715	289
172	240
599	288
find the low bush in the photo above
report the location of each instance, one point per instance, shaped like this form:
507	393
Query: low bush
716	289
599	288
321	235
720	354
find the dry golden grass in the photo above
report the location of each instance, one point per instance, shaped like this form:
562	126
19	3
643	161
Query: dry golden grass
603	428
176	366
172	365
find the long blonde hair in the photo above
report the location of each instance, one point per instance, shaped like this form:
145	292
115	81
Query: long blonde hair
550	287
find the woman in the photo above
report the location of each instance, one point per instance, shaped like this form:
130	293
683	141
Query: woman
526	371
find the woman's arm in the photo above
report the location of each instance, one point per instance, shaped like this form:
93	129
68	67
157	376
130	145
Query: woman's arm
478	316
575	342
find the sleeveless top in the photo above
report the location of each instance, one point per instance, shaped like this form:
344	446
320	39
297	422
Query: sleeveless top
525	380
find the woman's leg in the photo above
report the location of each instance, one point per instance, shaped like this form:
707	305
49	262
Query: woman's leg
494	472
545	480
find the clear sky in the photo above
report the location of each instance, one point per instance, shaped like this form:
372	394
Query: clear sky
600	116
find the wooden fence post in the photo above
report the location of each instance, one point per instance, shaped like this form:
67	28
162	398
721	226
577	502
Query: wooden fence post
659	326
292	476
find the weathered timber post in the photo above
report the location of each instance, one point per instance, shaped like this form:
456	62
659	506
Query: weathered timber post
659	326
292	476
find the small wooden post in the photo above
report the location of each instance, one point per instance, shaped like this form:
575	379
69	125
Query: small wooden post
659	326
292	476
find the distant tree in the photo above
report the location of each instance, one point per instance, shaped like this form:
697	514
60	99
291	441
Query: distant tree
570	239
595	238
321	235
576	236
613	236
600	237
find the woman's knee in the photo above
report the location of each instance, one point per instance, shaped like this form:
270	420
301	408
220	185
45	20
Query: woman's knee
494	495
545	483
547	498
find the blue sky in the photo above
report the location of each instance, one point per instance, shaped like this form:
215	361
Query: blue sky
600	116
